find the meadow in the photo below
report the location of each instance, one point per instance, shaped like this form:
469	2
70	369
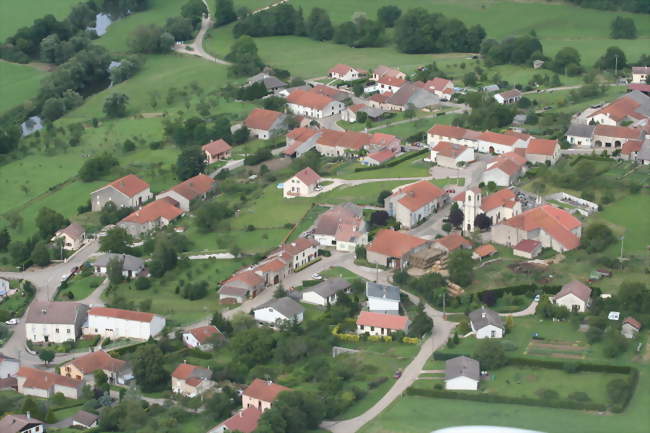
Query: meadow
18	83
15	14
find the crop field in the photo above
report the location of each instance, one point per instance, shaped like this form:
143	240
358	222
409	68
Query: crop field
18	83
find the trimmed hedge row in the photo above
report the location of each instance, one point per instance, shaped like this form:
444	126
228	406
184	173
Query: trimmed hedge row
633	382
395	161
491	398
489	297
581	366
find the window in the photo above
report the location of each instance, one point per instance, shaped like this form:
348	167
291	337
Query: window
372	328
56	330
68	330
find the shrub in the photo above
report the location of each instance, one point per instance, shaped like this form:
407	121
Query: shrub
142	283
548	394
579	396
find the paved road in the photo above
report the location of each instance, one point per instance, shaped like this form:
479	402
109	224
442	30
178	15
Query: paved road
196	47
528	311
230	165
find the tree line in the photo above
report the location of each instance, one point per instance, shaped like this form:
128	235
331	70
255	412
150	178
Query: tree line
640	6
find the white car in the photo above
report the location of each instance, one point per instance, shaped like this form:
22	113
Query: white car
12	322
316	276
537	298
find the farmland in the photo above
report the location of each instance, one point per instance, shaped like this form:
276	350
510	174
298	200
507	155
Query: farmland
18	83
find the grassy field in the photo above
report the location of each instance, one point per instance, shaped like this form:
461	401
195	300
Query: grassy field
365	194
405	130
15	14
559	99
81	287
18	83
413	167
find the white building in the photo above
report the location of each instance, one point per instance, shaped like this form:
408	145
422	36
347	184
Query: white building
313	104
342	227
413	203
640	74
381	324
486	323
451	155
495	143
73	236
325	293
280	310
382	298
116	323
508	97
574	296
131	266
127	191
346	73
202	337
462	374
302	184
54	322
21	424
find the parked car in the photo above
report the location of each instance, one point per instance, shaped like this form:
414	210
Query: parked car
12	321
537	298
316	276
397	374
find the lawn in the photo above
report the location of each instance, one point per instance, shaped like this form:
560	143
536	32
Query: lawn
408	129
170	304
558	99
18	83
339	272
625	214
364	194
307	221
81	287
15	14
412	167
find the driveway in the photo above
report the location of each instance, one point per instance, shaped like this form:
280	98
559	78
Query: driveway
196	47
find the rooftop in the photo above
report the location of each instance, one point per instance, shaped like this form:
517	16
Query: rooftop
285	306
217	147
392	243
264	390
380	320
117	313
129	185
98	360
483	317
262	119
462	366
576	288
383	291
417	195
55	312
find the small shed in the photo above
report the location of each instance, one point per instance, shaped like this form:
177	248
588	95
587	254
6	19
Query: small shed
85	419
630	328
527	249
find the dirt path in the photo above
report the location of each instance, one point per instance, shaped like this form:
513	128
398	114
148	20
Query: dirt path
196	47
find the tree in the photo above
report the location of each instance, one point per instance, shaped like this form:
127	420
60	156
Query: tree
224	12
49	221
114	271
470	79
482	221
564	58
460	266
181	28
622	28
388	15
148	368
101	380
164	258
115	105
190	162
243	55
221	323
597	237
382	196
490	354
124	71
422	324
9	138
46	355
360	252
614	344
617	391
5	240
40	254
117	240
52	109
614	58
97	167
241	136
318	25
456	215
150	39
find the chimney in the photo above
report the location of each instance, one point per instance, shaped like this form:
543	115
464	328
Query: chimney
44	311
29	415
241	413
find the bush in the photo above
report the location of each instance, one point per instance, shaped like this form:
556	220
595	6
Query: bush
376	382
548	394
579	396
142	283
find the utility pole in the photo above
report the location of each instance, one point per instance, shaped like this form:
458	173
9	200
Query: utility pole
620	259
615	65
444	298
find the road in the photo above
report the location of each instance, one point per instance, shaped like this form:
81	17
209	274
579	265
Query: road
196	47
230	165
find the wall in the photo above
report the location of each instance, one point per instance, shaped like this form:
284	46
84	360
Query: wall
461	383
37	332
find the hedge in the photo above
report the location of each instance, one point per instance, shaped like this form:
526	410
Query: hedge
581	366
491	398
410	340
490	297
444	356
395	161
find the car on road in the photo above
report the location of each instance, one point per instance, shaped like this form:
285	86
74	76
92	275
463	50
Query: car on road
316	276
397	374
537	298
12	321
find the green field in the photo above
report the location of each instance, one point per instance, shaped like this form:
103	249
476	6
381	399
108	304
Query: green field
81	287
413	167
15	14
18	83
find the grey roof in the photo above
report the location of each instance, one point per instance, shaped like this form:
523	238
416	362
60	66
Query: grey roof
576	288
328	222
74	230
385	291
129	263
270	82
31	125
644	153
85	418
286	306
329	287
4	358
16	423
462	366
483	317
490	88
372	112
578	130
60	313
409	93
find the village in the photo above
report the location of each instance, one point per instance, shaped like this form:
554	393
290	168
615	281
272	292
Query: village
343	247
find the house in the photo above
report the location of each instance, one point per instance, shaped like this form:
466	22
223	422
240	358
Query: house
614	137
387	83
115	323
243	285
498	206
202	337
490	88
244	421
580	135
216	150
377	158
640	74
346	73
381	324
505	169
273	270
8	366
4	287
342	226
21	424
189	191
131	266
441	87
278	311
261	394
552	227
413	203
382	298
85	420
43	384
324	293
127	191
630	328
350	113
382	70
483	252
271	83
73	236
541	151
378	100
298	253
154	215
462	374
313	104
265	124
508	97
496	143
341	143
527	248
451	155
302	184
632	107
191	380
410	95
54	322
486	323
300	140
452	134
83	368
392	248
643	156
574	296
452	242
630	150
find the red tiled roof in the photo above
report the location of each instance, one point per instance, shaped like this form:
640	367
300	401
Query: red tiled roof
262	119
216	148
557	223
135	316
301	134
527	245
309	99
129	185
520	135
632	321
308	176
453	241
618	132
485	250
326	91
450	150
204	333
619	109
438	83
381	97
44	379
418	194
194	186
160	208
380	320
381	139
185	371
645	88
641	69
452	132
505	165
244	421
263	390
382	155
540	146
387	80
99	360
631	146
495	137
391	243
348	139
247	277
274	265
296	247
499	198
510	94
340	69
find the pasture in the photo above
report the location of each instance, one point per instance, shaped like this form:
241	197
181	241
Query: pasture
15	14
18	83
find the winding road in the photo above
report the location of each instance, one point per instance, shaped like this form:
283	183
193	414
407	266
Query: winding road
196	47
